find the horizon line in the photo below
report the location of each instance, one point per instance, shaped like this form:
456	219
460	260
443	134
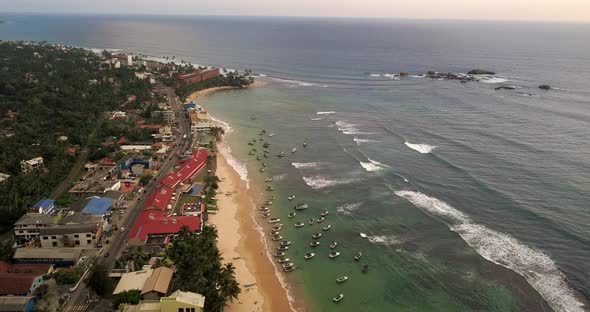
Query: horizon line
145	14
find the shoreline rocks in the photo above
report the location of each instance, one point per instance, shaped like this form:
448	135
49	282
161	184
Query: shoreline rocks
480	72
545	87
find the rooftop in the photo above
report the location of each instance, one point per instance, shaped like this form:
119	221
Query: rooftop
66	253
63	229
79	218
17	284
159	198
158	281
35	218
98	206
13	303
187	297
6	267
157	224
133	280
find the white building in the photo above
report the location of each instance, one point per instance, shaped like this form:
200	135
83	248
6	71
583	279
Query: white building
29	225
31	165
70	235
202	126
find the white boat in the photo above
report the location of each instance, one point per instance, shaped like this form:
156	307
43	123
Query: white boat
327	227
277	227
287	265
283	260
299	224
264	209
358	256
277	237
320	220
338	298
324	213
342	279
265	215
314	244
271	135
285	243
270	188
294	150
281	154
291	197
275	233
289	269
311	221
291	215
279	254
268	180
282	248
261	169
334	254
274	220
301	206
268	202
309	255
316	235
333	245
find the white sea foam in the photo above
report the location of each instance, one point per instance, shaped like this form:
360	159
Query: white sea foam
347	209
316	119
348	128
294	82
326	113
384	240
239	167
492	79
308	165
535	266
375	75
420	148
373	165
225	125
360	141
319	182
262	75
418	76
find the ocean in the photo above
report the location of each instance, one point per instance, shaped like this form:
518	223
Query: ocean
460	197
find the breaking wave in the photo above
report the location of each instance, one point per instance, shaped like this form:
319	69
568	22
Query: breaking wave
326	113
420	148
384	240
308	165
348	128
373	165
239	167
360	141
319	182
346	209
493	80
535	266
293	82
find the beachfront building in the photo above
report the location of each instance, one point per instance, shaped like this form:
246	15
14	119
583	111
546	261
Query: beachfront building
27	228
197	76
28	166
178	301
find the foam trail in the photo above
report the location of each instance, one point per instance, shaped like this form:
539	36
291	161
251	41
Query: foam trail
347	209
373	165
360	141
239	167
319	182
420	148
308	165
326	113
535	266
348	128
493	80
385	240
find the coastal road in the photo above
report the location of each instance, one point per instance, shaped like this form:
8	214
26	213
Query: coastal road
79	297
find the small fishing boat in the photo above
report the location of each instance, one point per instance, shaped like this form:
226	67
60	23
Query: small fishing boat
338	298
277	227
263	164
291	197
263	208
311	221
251	153
283	260
358	256
265	155
268	202
301	206
314	244
274	220
341	279
282	248
299	224
259	158
270	188
285	243
324	213
289	269
265	215
304	144
316	235
272	197
333	245
261	169
271	135
309	255
266	151
287	265
281	154
365	268
327	227
291	215
277	237
320	220
268	180
334	254
266	145
250	143
293	150
253	117
279	254
275	233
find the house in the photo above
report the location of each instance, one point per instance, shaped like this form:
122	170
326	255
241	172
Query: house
28	166
68	235
12	116
17	304
178	301
46	206
118	115
22	279
28	226
4	177
59	256
98	206
153	283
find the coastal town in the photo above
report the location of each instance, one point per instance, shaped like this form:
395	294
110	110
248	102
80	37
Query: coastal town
104	238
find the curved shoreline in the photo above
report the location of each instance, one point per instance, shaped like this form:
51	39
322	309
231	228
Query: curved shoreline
240	239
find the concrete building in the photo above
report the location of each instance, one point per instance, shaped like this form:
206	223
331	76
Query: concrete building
58	256
46	206
4	177
202	126
197	76
68	235
28	166
97	182
28	226
178	301
169	117
17	304
153	283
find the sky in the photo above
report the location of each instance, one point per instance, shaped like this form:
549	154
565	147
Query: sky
544	10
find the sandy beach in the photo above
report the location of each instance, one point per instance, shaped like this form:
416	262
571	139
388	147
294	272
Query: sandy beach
195	95
240	242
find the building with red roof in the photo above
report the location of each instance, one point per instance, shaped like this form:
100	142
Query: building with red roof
157	224
21	279
159	198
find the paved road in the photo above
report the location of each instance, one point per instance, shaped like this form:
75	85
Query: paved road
79	298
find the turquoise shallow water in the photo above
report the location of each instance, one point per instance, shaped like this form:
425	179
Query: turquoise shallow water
440	175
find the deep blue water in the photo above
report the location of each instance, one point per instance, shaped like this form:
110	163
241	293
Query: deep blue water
506	175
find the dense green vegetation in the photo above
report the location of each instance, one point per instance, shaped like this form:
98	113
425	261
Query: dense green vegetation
99	280
56	91
127	297
231	79
199	268
66	276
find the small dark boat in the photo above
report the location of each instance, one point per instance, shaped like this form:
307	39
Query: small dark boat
279	254
289	269
277	237
261	169
309	255
341	279
358	256
320	220
301	206
274	220
365	268
324	213
291	197
314	244
299	224
287	265
285	243
283	248
291	215
259	158
281	154
338	298
270	188
327	227
283	260
277	227
334	254
333	245
311	221
316	235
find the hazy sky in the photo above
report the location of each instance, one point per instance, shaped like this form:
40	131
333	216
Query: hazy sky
561	10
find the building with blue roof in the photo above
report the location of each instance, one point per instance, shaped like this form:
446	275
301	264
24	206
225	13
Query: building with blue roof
98	206
45	206
190	105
